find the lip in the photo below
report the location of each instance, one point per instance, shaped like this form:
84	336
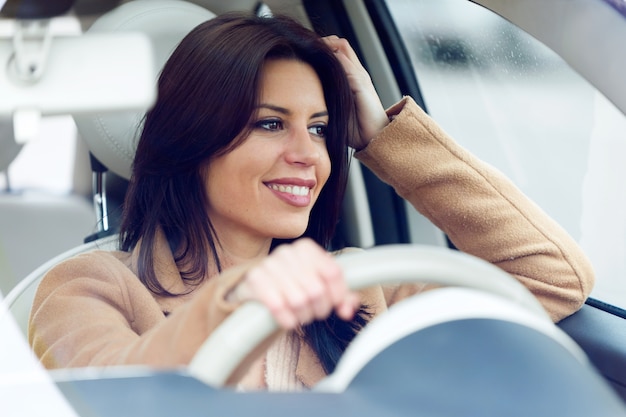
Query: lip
291	199
301	182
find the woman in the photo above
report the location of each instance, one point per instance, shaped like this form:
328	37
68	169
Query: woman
246	150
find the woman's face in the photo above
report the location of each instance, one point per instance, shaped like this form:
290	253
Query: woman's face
267	186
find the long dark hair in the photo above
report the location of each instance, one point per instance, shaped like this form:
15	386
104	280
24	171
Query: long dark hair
207	94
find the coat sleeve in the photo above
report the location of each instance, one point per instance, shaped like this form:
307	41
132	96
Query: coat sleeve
480	210
92	310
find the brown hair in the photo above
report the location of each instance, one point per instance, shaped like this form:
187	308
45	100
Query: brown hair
207	93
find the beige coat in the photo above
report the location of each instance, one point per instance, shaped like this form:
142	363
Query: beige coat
93	310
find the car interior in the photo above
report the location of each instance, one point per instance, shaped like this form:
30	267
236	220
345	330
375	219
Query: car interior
581	360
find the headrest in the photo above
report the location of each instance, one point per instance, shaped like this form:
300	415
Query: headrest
112	137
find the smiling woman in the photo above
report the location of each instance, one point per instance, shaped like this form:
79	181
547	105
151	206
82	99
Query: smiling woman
224	172
235	193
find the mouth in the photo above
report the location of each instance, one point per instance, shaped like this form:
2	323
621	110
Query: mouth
296	190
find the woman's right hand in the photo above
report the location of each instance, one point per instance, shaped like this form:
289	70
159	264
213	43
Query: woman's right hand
298	282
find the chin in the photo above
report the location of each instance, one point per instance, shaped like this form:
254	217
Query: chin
289	233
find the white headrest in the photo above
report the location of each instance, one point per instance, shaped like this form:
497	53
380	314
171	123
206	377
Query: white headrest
112	137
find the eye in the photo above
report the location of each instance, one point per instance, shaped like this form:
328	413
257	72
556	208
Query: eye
318	130
271	125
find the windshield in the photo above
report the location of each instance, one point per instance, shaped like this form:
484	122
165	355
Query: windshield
517	105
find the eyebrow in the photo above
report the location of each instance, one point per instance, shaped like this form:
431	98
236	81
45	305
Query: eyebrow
287	111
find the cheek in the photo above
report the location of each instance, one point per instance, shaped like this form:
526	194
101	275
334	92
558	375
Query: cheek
219	179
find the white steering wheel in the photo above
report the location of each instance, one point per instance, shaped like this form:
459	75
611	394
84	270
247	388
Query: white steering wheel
252	323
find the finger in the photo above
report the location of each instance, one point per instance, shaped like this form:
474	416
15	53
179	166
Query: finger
342	45
259	283
357	75
300	286
349	307
307	295
312	278
333	278
337	294
357	78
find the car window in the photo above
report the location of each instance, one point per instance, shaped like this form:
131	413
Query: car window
46	163
515	104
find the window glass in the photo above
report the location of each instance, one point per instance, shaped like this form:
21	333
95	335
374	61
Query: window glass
515	104
46	163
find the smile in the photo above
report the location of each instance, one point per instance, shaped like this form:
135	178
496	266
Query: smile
290	189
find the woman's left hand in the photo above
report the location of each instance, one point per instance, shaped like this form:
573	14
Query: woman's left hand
370	111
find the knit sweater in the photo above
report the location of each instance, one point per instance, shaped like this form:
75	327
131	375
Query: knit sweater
92	310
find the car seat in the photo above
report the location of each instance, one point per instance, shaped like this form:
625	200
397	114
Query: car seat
35	224
111	137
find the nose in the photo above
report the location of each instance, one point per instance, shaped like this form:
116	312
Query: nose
302	148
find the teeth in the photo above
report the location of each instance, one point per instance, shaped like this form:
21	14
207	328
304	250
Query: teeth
290	189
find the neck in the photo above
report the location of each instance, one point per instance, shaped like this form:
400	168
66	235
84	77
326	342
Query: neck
233	249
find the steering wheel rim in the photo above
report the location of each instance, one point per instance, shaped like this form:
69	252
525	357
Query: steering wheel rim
252	323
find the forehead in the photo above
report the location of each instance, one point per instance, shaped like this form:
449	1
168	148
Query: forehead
290	80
